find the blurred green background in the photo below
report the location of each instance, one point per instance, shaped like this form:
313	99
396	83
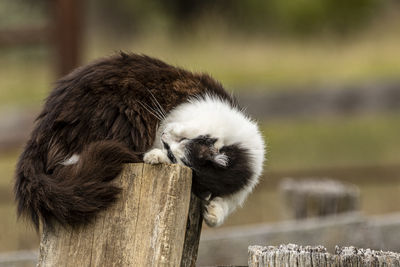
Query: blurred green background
265	47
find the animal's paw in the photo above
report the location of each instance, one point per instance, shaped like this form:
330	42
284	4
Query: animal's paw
155	156
214	213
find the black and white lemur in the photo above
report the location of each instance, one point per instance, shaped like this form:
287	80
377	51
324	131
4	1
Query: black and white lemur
134	108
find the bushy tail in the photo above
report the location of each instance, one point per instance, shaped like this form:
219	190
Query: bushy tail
72	194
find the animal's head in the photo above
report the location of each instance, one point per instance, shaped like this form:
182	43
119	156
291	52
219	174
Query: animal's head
192	152
210	131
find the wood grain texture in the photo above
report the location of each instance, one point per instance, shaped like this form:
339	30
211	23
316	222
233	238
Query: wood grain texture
193	230
146	227
304	256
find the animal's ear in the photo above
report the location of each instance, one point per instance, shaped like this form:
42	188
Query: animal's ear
206	140
221	160
211	141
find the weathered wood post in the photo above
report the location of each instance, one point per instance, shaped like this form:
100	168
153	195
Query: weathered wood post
319	197
156	222
298	256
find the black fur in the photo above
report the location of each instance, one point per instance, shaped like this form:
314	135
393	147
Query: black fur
71	194
212	177
170	155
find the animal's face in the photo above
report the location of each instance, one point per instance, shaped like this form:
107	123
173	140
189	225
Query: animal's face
186	148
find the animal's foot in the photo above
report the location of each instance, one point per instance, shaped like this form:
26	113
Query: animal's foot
155	156
215	212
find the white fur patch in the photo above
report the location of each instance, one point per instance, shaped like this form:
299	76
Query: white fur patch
215	212
72	160
221	159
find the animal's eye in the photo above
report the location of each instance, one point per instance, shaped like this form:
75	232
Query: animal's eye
182	139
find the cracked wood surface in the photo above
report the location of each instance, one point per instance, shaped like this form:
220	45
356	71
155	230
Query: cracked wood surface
292	255
146	227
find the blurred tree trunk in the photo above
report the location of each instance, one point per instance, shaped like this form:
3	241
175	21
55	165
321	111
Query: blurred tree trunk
67	29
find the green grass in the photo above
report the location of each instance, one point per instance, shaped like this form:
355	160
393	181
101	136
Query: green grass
271	63
240	63
15	14
7	165
333	142
25	76
18	235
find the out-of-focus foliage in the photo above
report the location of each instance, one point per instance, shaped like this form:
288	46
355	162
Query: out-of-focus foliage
19	13
301	17
309	16
122	16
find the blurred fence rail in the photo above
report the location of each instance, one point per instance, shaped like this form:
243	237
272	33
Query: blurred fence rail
20	258
260	104
24	36
226	245
385	173
63	33
229	245
361	99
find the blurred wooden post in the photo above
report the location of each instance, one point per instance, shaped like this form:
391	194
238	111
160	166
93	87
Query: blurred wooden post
297	256
319	197
152	224
67	33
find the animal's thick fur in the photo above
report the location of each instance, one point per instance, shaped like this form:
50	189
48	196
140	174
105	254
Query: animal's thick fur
99	112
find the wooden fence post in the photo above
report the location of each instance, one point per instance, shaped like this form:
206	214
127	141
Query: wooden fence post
319	197
156	222
67	33
298	256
